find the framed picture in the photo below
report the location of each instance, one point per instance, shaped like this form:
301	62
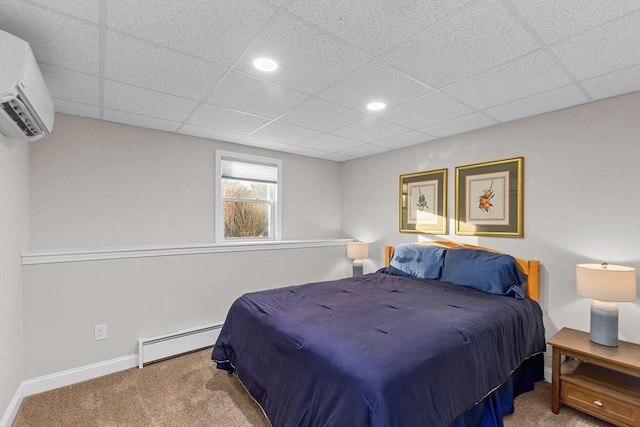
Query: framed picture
423	202
489	198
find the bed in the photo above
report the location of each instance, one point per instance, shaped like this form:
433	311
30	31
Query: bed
446	334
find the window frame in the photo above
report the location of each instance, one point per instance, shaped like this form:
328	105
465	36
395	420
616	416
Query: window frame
275	222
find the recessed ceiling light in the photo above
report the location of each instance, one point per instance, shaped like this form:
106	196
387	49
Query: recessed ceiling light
376	106
265	64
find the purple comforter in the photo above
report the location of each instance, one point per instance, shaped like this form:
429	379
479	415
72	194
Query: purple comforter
376	350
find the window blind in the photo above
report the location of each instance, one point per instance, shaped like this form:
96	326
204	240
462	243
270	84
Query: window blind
249	171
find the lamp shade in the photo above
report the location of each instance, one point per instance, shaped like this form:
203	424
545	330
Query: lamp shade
357	250
606	282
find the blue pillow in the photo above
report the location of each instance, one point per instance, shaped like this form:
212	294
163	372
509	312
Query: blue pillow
396	271
489	272
420	261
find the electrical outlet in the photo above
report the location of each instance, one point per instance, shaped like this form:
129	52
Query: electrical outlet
100	332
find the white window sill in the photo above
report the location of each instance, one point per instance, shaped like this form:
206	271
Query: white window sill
50	256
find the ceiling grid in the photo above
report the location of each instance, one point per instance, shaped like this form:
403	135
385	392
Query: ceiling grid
441	68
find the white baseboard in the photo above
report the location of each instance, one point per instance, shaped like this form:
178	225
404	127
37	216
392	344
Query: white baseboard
547	374
64	378
76	375
95	370
12	409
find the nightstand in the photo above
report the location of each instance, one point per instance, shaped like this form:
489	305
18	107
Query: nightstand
601	381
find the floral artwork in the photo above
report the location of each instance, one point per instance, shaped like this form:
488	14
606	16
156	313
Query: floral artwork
422	205
423	202
485	199
489	198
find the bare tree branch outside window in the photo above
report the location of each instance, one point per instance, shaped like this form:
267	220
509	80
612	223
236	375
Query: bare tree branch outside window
244	218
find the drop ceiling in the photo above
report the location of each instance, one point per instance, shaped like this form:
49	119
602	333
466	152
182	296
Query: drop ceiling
442	67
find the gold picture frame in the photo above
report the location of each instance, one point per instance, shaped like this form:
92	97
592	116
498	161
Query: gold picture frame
423	202
489	198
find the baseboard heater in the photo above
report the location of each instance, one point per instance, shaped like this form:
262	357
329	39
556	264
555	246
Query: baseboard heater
170	345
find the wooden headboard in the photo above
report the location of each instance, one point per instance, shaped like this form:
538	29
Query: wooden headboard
529	267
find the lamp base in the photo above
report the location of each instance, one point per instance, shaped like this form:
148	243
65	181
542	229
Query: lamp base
604	323
357	268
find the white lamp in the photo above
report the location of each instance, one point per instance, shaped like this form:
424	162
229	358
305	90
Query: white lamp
605	284
357	251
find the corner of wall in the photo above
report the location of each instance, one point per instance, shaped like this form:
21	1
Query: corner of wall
14	229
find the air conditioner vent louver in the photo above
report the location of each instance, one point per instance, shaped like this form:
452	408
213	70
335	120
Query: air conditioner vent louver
19	113
27	108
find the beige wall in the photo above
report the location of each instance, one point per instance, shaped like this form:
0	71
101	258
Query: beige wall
102	184
97	184
146	297
581	197
14	233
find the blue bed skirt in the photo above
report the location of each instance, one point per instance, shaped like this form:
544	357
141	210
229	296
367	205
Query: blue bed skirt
489	411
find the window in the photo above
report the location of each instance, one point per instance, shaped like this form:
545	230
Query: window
248	197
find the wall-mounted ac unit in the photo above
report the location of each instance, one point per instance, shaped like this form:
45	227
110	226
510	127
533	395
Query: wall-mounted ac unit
27	108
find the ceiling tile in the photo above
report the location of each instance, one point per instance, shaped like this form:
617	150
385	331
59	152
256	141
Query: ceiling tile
76	108
83	9
439	64
214	117
404	140
129	60
608	48
555	99
374	26
476	39
331	143
316	113
432	108
131	99
370	129
460	124
55	39
614	84
218	31
365	150
209	133
526	76
375	81
309	60
263	143
141	121
246	93
338	157
284	132
557	20
71	85
309	152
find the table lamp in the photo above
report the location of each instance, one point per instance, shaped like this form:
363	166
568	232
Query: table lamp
357	251
605	284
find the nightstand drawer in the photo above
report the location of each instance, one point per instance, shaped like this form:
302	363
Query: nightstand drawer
599	404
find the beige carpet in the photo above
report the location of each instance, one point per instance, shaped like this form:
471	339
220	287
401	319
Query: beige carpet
190	391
